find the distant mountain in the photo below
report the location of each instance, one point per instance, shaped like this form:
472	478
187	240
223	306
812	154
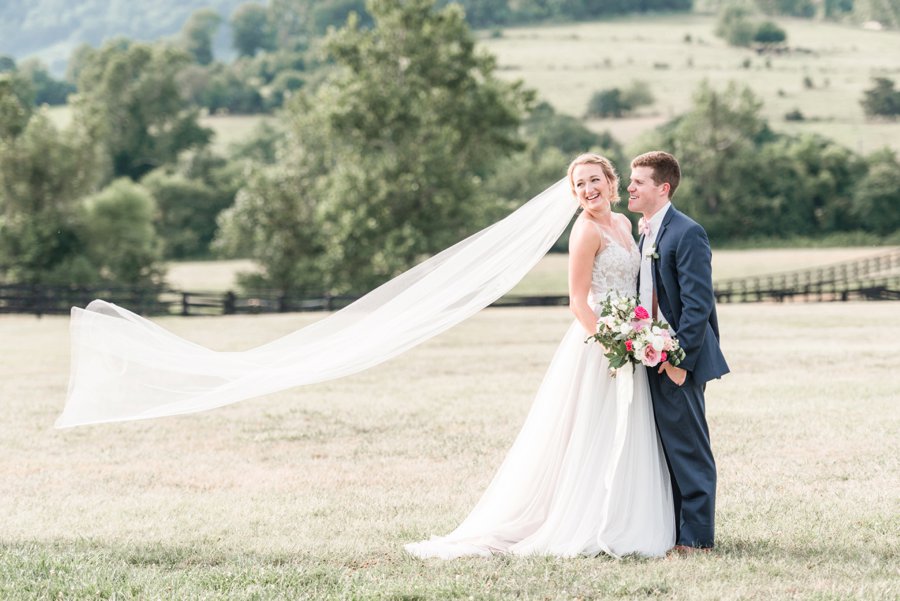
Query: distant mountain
51	29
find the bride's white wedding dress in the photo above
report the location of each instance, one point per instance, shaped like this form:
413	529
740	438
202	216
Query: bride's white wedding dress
561	490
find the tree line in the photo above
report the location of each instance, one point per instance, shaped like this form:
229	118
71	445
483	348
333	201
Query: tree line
402	142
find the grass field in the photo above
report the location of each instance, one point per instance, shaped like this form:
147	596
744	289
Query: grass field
310	493
549	276
566	64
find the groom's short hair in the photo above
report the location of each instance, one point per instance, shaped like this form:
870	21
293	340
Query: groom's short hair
666	169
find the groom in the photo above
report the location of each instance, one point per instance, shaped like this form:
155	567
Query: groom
675	283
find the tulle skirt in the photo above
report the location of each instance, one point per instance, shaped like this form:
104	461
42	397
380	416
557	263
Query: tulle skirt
563	489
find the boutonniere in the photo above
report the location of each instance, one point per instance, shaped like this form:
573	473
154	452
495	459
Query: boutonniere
650	252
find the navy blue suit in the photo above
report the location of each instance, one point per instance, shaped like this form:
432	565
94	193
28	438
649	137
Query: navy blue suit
682	277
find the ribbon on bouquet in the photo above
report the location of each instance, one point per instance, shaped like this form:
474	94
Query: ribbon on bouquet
624	394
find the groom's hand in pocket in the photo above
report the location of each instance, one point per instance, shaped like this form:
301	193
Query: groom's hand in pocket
676	374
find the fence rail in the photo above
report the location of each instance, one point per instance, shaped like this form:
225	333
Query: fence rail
872	278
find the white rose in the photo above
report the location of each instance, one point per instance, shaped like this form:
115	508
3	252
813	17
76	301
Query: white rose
625	328
658	342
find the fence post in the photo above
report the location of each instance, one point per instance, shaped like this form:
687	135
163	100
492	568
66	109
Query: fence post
229	303
185	304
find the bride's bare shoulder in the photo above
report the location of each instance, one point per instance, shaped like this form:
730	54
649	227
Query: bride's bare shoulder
585	236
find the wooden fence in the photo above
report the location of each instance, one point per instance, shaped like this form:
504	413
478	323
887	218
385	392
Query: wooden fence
872	278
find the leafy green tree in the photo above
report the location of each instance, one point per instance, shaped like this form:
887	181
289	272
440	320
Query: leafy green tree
47	89
881	100
607	103
545	128
121	239
251	30
717	142
735	26
807	189
43	174
769	33
189	197
274	220
7	64
386	156
876	200
334	13
197	34
617	102
16	102
130	96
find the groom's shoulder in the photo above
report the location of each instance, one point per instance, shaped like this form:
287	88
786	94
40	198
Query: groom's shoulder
683	220
689	228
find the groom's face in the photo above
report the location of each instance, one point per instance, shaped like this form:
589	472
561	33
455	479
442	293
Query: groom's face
644	195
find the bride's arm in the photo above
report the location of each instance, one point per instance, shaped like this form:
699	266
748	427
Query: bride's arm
584	243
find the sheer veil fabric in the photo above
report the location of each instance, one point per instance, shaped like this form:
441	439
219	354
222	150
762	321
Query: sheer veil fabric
125	367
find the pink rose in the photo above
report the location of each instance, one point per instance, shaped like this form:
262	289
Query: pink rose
649	356
663	357
641	313
629	345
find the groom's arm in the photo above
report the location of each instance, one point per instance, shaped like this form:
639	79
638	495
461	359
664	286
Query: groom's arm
693	259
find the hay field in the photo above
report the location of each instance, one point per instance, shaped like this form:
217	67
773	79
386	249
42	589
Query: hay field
549	275
310	493
566	64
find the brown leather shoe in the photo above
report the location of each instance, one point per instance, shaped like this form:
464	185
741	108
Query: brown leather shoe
685	550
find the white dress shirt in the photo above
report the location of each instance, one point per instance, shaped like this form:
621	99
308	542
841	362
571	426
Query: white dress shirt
645	294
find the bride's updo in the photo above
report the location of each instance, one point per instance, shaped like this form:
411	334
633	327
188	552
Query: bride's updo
608	170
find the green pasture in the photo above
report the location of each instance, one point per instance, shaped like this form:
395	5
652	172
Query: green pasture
566	64
311	493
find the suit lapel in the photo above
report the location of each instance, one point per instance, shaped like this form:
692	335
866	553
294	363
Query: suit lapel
654	263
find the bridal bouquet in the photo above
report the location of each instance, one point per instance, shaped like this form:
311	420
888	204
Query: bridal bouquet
627	333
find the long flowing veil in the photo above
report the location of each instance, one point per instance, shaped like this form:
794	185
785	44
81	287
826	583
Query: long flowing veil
125	367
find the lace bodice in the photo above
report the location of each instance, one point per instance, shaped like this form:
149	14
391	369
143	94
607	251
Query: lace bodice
615	270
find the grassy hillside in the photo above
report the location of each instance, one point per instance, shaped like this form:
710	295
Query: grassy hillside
567	64
51	29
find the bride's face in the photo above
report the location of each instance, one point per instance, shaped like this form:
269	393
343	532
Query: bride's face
591	187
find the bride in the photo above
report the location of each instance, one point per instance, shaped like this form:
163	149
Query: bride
562	489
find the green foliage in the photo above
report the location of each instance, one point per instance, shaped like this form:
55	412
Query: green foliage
716	142
735	26
197	34
130	95
43	174
334	13
47	89
251	29
16	100
120	238
876	199
545	128
743	182
617	102
221	88
881	100
189	197
607	103
385	158
791	8
769	33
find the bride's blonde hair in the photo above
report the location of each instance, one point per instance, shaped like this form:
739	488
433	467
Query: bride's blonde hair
589	158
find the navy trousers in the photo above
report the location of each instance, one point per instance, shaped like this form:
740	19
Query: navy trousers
680	413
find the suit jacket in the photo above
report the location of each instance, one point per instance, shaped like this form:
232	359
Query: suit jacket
683	279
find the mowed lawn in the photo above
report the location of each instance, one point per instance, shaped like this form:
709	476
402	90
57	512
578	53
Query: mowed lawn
311	493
